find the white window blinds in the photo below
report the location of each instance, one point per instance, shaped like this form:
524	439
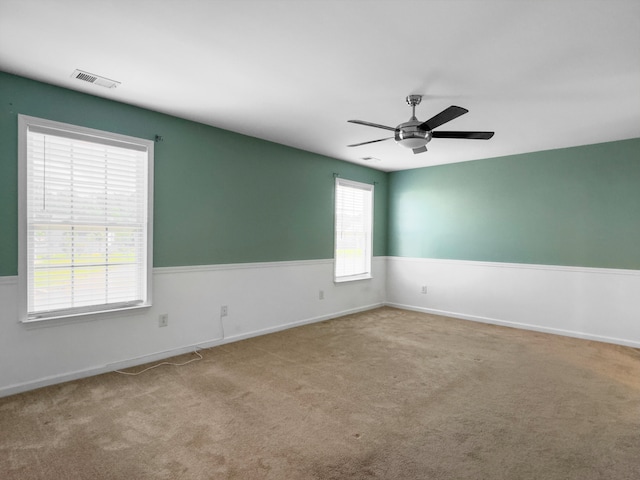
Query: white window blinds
353	230
87	221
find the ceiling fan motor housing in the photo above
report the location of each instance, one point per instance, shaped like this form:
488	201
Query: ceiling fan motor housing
410	136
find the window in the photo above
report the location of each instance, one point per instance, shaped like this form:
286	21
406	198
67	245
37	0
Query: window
85	220
353	229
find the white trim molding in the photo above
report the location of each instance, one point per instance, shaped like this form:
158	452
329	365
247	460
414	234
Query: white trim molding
599	304
238	266
260	298
12	280
532	266
590	303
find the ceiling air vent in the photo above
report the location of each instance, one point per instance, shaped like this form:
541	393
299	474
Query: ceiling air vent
95	79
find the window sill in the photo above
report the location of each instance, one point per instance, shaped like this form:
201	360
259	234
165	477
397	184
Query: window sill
353	278
82	316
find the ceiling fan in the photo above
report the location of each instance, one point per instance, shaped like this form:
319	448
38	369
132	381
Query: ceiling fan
415	134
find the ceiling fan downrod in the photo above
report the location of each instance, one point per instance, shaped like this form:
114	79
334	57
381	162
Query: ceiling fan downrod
412	101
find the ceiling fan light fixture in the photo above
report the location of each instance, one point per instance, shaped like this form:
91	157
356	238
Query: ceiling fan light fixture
412	142
410	136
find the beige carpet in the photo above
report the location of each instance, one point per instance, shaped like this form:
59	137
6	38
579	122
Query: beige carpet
385	394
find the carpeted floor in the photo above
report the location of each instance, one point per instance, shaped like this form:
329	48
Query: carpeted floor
384	394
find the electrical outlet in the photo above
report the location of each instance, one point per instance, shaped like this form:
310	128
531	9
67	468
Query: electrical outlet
424	289
163	320
321	295
224	311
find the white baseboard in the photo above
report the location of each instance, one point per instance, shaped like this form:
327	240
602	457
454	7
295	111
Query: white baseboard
597	304
262	298
522	326
161	356
90	372
299	323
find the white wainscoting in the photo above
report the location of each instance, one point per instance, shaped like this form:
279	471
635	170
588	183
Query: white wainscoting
261	298
592	303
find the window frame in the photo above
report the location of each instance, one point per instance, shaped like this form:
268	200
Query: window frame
367	274
25	122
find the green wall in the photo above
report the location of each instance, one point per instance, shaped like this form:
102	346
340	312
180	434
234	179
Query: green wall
575	206
219	197
222	197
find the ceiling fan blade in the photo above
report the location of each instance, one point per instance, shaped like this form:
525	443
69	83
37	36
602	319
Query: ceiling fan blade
420	150
444	116
371	141
469	135
369	124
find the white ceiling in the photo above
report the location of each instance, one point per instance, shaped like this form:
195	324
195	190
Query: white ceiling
542	74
